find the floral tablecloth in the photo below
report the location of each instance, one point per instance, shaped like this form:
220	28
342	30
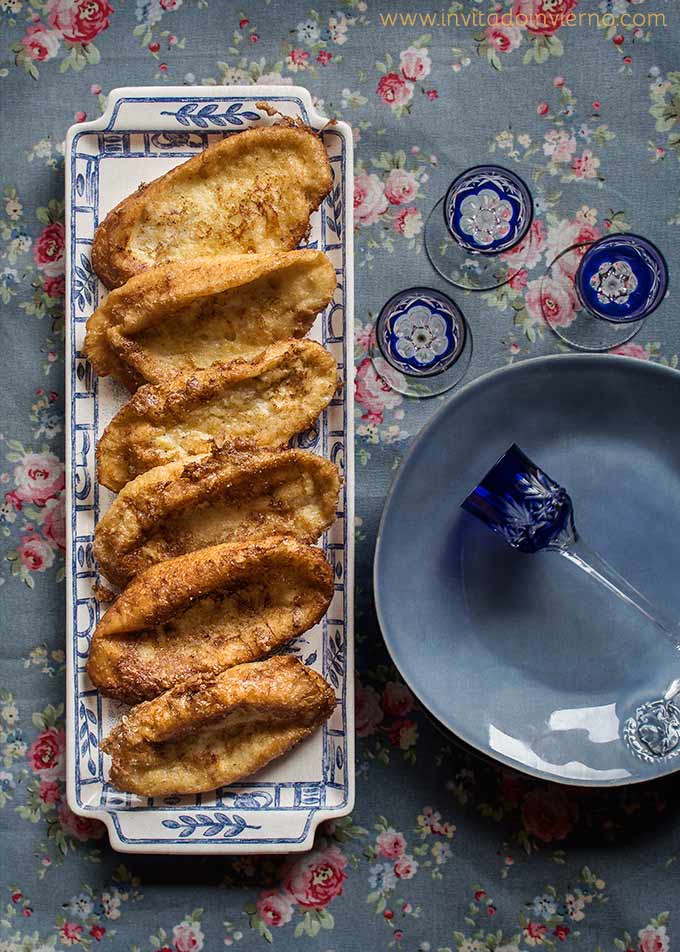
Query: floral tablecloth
443	851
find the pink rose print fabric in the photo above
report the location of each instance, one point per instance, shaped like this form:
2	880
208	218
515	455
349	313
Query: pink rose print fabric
40	43
370	200
79	21
39	477
443	850
314	881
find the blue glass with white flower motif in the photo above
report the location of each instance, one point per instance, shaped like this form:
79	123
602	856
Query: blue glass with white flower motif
488	209
421	345
420	332
478	235
622	278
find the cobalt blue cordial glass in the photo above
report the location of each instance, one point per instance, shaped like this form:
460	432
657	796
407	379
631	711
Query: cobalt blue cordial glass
620	280
523	505
488	209
422	345
477	234
532	513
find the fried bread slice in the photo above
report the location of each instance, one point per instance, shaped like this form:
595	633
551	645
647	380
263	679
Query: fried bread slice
252	192
207	611
266	400
237	493
185	315
204	734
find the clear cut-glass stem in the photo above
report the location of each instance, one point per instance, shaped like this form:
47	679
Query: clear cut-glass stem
599	569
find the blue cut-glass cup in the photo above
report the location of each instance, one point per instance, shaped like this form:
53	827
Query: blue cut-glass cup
532	513
421	344
477	236
618	282
520	503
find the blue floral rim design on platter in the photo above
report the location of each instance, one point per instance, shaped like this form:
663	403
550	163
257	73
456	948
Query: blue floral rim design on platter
488	209
420	332
622	278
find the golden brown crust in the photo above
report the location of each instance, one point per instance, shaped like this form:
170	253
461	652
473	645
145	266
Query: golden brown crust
252	192
207	611
181	316
237	493
204	734
266	400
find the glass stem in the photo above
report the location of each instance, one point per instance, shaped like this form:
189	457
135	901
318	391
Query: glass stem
600	570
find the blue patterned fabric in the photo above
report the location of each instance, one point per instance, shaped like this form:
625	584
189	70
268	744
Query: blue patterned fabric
443	851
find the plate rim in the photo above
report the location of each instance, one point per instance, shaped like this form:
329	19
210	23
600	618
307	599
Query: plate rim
106	123
464	392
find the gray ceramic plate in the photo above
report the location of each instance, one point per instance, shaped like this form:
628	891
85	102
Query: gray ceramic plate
521	655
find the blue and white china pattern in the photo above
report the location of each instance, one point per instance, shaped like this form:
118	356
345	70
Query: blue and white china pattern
488	209
622	278
280	812
193	113
420	332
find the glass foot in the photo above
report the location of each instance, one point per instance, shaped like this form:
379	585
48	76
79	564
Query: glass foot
653	733
422	344
597	295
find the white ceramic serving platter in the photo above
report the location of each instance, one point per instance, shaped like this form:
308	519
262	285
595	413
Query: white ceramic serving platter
143	133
